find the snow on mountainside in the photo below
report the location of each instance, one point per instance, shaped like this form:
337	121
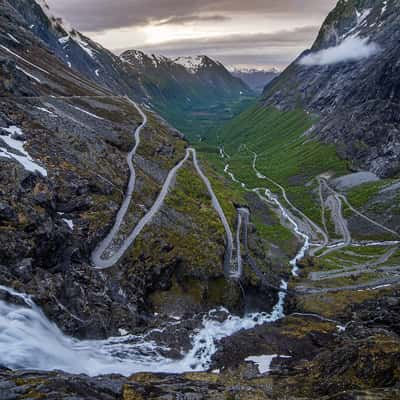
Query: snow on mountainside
194	63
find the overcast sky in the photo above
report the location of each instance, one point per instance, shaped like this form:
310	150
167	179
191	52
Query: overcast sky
243	33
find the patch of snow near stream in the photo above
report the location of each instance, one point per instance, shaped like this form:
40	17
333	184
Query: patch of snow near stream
264	362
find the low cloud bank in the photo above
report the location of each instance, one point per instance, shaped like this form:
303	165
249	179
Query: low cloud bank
351	49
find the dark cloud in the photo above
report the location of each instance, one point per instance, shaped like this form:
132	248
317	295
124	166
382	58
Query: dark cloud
285	38
278	48
99	15
186	19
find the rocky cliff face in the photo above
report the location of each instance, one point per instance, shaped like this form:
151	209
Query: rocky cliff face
349	79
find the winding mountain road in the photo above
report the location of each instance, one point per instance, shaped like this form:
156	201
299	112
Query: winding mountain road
305	218
97	261
335	205
355	211
243	222
101	262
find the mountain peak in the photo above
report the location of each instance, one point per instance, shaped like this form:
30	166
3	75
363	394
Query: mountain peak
194	63
354	18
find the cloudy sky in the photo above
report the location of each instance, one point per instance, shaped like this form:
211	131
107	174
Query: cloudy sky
243	33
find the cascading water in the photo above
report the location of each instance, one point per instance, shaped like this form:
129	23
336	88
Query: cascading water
28	340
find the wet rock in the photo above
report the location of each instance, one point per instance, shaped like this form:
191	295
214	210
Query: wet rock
7	213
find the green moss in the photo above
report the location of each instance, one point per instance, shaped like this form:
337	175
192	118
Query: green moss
277	234
333	304
360	195
299	327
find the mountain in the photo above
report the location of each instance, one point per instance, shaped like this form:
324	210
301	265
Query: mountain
332	113
186	81
209	91
59	198
256	79
189	91
349	80
76	50
135	267
324	141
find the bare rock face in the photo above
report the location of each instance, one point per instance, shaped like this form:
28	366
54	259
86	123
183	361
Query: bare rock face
356	99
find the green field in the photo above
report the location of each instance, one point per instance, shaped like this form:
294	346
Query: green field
200	122
285	153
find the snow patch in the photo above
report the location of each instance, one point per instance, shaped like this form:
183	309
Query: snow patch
70	223
192	64
87	112
64	39
28	74
45	110
84	45
363	15
22	156
13	38
384	7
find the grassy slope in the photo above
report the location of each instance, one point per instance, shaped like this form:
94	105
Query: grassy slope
200	121
285	154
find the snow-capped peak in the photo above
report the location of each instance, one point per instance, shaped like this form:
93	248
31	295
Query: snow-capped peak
192	64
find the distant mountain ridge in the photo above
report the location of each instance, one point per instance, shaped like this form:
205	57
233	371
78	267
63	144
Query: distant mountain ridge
185	81
256	79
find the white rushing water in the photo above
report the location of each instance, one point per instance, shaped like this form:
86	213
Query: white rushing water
271	198
28	340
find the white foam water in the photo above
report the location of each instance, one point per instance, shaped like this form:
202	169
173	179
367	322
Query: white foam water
28	340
